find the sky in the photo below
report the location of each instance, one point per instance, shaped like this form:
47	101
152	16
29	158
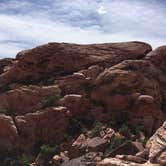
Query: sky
25	24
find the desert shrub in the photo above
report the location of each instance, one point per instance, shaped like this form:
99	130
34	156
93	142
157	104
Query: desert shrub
67	137
49	101
115	142
124	129
97	127
47	151
9	161
24	160
139	128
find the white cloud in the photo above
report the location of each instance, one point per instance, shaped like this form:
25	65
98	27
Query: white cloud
101	10
79	21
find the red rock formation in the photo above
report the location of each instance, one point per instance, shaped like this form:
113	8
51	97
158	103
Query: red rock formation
26	98
9	137
121	85
44	126
56	59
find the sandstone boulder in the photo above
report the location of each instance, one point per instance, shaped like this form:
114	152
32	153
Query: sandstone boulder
44	126
26	98
120	87
76	104
9	137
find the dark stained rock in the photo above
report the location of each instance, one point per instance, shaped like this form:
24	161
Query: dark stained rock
5	64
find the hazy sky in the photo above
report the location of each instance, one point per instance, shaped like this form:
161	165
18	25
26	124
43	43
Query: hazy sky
27	23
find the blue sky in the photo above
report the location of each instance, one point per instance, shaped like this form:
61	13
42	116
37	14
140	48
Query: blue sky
27	23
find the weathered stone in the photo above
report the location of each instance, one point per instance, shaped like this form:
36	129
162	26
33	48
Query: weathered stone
76	104
9	138
96	144
44	60
44	126
26	98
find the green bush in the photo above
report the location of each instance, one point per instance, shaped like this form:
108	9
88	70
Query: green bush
97	127
49	101
47	151
24	160
115	142
139	128
124	129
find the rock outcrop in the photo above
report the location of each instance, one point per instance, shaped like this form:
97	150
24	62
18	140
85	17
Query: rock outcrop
153	155
97	104
57	59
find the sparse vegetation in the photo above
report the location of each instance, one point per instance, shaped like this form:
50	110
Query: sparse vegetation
67	137
47	151
115	142
24	160
49	101
139	128
124	129
97	127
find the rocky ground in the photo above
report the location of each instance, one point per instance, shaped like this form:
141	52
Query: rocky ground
84	105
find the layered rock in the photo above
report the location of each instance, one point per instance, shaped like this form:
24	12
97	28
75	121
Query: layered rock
44	126
26	98
56	59
9	137
134	87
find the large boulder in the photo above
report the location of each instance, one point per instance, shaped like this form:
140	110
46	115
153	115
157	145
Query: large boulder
158	57
62	58
78	105
45	126
132	87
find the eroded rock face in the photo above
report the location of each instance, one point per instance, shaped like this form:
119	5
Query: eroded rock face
55	58
5	64
133	87
26	98
74	104
157	57
45	126
157	146
9	137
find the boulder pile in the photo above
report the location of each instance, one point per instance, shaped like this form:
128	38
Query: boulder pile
78	105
